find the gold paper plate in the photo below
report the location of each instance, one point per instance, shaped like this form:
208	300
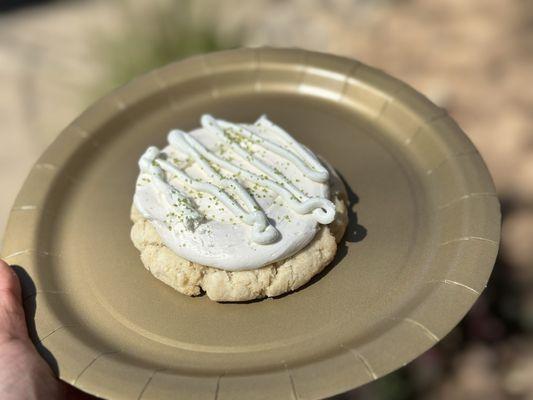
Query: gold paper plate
421	243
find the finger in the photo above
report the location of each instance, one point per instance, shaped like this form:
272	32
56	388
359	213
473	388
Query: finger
12	319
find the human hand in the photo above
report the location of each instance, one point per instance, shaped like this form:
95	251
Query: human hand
23	373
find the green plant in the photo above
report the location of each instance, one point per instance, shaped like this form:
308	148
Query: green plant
159	33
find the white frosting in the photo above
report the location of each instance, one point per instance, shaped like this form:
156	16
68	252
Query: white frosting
234	196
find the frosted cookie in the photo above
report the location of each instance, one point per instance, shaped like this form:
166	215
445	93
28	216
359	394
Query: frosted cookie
238	211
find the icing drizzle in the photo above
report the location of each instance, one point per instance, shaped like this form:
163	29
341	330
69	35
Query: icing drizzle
242	140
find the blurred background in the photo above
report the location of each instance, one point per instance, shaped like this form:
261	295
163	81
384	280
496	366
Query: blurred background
475	58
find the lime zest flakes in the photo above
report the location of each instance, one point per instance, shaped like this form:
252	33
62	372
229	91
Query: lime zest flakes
221	165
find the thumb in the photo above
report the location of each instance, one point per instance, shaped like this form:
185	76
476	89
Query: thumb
12	319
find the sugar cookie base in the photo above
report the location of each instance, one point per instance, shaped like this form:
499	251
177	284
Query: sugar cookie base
271	280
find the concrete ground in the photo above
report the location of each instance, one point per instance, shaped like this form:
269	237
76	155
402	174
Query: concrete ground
45	71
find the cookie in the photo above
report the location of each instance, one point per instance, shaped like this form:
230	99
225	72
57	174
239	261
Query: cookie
285	246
